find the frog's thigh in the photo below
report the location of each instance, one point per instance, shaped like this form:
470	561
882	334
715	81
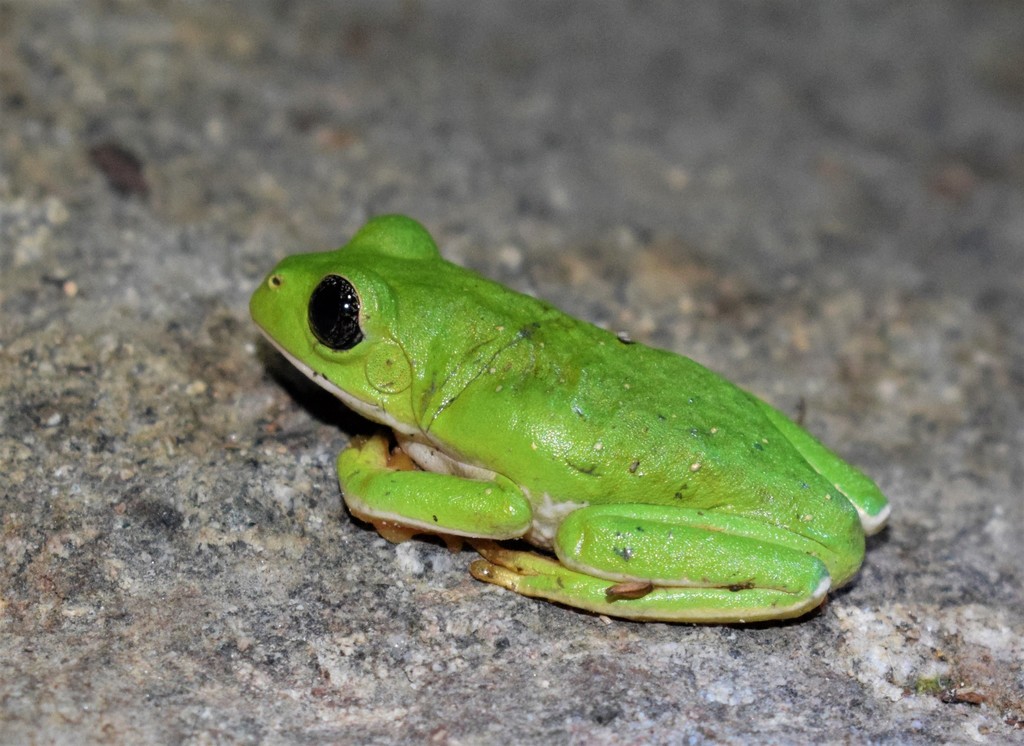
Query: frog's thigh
433	503
703	566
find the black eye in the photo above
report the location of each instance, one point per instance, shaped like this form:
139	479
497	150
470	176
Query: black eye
334	313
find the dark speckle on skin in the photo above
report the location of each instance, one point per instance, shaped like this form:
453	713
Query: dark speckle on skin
589	470
741	586
625	552
528	331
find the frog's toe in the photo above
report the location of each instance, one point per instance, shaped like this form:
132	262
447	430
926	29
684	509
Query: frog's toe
505	567
872	523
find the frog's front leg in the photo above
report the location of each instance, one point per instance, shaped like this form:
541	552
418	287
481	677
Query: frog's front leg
664	563
401	502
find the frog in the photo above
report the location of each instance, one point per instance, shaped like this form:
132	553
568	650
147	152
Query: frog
584	468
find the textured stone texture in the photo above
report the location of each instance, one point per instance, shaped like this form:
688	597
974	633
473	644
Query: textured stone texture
825	202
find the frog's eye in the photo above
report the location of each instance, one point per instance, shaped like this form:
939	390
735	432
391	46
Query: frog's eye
334	313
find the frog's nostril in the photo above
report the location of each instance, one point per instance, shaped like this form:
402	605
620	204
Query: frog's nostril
275	281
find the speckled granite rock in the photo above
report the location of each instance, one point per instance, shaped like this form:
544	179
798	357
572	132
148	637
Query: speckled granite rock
826	204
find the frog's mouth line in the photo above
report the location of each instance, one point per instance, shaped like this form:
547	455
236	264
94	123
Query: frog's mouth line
370	411
428	454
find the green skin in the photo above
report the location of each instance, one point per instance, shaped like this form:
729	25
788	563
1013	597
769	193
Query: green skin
663	491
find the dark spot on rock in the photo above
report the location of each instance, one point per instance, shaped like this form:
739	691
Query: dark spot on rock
605	713
156	515
121	167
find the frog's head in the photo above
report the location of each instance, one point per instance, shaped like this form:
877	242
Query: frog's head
334	316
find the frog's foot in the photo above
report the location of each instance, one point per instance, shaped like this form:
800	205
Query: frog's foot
538	576
397	533
377	452
666	564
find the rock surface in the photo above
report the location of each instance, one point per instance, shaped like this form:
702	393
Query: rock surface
824	203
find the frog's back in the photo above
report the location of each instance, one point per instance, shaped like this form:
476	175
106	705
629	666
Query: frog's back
574	414
673	431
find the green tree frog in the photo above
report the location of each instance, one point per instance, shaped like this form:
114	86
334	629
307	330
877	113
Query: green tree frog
656	489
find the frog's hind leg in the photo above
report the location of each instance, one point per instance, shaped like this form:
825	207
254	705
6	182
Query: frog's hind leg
871	504
668	564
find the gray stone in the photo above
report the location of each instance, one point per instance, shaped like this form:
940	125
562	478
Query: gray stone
823	201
